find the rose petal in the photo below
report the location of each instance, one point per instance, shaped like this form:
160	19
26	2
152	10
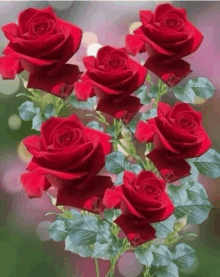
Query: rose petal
89	62
34	184
104	139
171	171
124	110
170	73
146	17
134	44
9	67
89	198
10	30
144	132
112	198
137	232
83	90
60	84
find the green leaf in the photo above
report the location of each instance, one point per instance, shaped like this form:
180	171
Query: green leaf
57	231
193	177
28	111
145	256
153	91
170	270
116	162
144	98
37	121
150	114
95	125
111	215
83	231
165	227
75	214
190	199
111	131
184	255
161	254
83	251
136	168
119	179
208	164
49	110
203	87
83	105
141	90
185	94
108	250
132	126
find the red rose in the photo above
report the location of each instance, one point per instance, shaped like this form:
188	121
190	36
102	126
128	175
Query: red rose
41	43
177	134
142	200
113	77
167	36
68	156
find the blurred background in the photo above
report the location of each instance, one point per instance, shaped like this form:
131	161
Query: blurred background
25	247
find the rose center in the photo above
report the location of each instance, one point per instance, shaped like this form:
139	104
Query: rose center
115	62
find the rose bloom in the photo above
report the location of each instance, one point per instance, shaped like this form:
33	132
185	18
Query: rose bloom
42	43
68	156
142	200
177	134
167	36
113	77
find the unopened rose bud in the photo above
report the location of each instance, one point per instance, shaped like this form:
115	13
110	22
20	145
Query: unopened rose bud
180	224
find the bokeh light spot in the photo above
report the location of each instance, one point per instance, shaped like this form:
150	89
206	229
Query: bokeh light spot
89	38
9	87
129	266
23	153
134	26
93	49
14	122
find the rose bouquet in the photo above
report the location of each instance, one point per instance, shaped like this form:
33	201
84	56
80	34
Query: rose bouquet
126	177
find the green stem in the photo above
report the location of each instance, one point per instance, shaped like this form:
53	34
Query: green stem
97	267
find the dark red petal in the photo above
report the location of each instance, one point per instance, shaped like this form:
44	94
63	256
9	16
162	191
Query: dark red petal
24	17
197	39
9	67
112	198
75	34
137	231
34	184
134	44
169	207
88	198
60	84
102	52
144	132
124	110
89	62
83	90
104	139
169	73
171	171
161	9
144	175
